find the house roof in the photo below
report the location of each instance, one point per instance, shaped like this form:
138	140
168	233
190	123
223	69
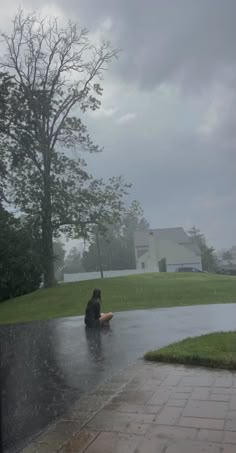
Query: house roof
173	234
176	235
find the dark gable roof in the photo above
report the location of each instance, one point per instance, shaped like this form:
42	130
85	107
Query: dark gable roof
176	235
172	234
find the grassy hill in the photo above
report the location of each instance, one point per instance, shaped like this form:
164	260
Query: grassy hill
123	293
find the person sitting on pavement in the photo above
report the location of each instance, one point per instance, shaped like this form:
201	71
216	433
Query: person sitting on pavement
93	315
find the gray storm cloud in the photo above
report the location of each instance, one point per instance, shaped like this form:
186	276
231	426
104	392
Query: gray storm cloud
168	116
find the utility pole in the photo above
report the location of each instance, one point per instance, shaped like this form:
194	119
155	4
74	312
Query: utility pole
99	253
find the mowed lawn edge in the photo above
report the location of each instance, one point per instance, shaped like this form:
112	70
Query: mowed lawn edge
134	292
215	350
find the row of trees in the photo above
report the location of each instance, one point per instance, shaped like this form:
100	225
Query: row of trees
115	251
116	248
50	76
20	263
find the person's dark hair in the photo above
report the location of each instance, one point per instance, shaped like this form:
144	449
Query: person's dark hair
96	294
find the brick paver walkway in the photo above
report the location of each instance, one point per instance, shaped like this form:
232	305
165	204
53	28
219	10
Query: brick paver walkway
150	408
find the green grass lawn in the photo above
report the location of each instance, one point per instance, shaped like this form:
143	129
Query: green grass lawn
121	293
217	350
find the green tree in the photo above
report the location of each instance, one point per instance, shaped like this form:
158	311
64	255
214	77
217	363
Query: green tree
209	260
162	265
50	74
132	222
20	263
116	244
73	262
227	255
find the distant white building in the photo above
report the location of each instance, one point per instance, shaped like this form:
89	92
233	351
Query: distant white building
171	244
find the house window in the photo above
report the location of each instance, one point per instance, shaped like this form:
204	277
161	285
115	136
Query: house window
143	265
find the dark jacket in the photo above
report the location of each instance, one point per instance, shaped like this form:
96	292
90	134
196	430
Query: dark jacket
92	313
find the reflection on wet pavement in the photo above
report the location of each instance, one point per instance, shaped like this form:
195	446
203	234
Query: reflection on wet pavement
47	365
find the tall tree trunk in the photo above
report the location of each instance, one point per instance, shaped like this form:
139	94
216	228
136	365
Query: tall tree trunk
47	234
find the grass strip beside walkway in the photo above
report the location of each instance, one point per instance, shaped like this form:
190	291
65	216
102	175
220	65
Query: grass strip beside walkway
217	350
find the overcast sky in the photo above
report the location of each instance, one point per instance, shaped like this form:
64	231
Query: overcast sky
168	118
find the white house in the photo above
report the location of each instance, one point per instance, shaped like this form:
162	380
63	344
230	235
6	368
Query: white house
171	244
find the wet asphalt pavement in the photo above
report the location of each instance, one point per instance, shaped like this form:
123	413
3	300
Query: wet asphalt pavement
47	365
